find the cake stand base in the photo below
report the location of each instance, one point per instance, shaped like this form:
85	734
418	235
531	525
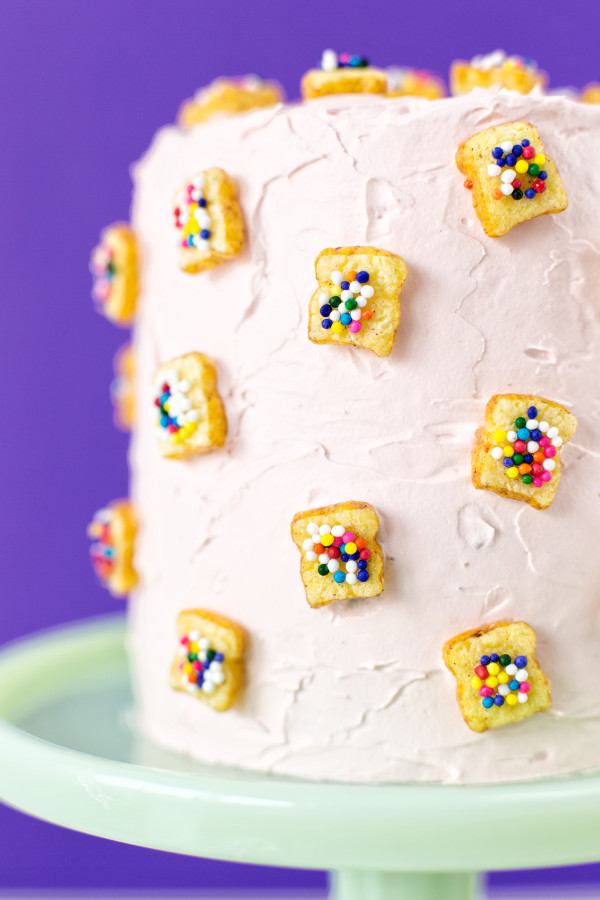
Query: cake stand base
68	755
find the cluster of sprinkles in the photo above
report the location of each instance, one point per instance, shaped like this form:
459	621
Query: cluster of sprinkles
102	550
513	160
330	61
528	449
499	680
331	545
345	307
102	267
200	663
499	59
191	215
176	417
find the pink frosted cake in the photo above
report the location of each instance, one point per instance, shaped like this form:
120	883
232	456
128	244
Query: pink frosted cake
452	360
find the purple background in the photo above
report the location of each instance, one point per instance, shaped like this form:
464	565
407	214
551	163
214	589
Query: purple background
83	87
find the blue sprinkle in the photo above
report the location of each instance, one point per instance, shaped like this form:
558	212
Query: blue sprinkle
202	202
205	234
342	548
528	458
200	679
530	193
543	175
523	434
345	285
499	700
494	657
362	575
507	462
355	60
510	159
326	323
487	702
362	564
345	318
514	685
525	143
500	162
536	434
339	577
164	421
485	660
344	557
532	412
108	551
497	152
362	277
190	241
520	662
164	398
517	150
325	310
219	657
355	555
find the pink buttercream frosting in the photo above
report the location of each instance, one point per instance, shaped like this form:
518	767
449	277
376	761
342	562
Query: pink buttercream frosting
358	690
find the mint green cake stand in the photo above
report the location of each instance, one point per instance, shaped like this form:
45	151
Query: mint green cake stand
68	755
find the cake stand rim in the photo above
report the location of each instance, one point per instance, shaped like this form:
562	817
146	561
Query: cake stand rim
422	827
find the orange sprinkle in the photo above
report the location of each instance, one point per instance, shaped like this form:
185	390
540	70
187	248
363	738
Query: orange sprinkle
351	276
192	677
539	456
367	314
319	548
524	469
360	543
497	195
468	183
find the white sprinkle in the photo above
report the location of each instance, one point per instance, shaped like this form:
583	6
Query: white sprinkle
329	60
506	189
184	386
361	302
207	686
324	298
511	436
557	441
183	650
333	565
493	170
497	453
356	314
198	181
355	287
337	530
351	578
347	295
195	195
334	315
367	291
194	635
181	421
324	558
522	675
351	566
507	145
336	277
532	446
203	245
311	555
531	424
308	544
521	697
193	415
202	655
325	529
543	426
549	465
511	669
552	432
508	175
312	528
503	690
202	217
218	676
204	643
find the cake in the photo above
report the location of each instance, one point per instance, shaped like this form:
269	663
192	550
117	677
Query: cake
418	584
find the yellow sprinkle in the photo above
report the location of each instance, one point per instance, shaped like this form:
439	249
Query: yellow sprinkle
511	699
493	668
194	647
476	682
188	668
499	436
512	472
326	540
351	548
337	328
539	159
492	681
522	166
508	451
503	678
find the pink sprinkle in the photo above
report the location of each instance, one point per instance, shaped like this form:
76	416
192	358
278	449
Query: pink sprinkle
184	243
537	469
354	327
485	691
172	429
520	446
344	57
365	553
537	481
525	687
196	665
550	451
547	476
185	640
338	541
516	183
544	442
348	537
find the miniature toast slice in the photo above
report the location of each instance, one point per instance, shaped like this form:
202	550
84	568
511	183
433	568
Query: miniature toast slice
357	301
209	221
512	178
113	531
229	96
402	82
517	455
209	663
121	389
113	264
341	558
190	413
590	93
464	76
317	83
499	681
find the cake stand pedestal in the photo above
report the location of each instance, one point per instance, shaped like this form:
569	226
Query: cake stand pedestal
68	755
